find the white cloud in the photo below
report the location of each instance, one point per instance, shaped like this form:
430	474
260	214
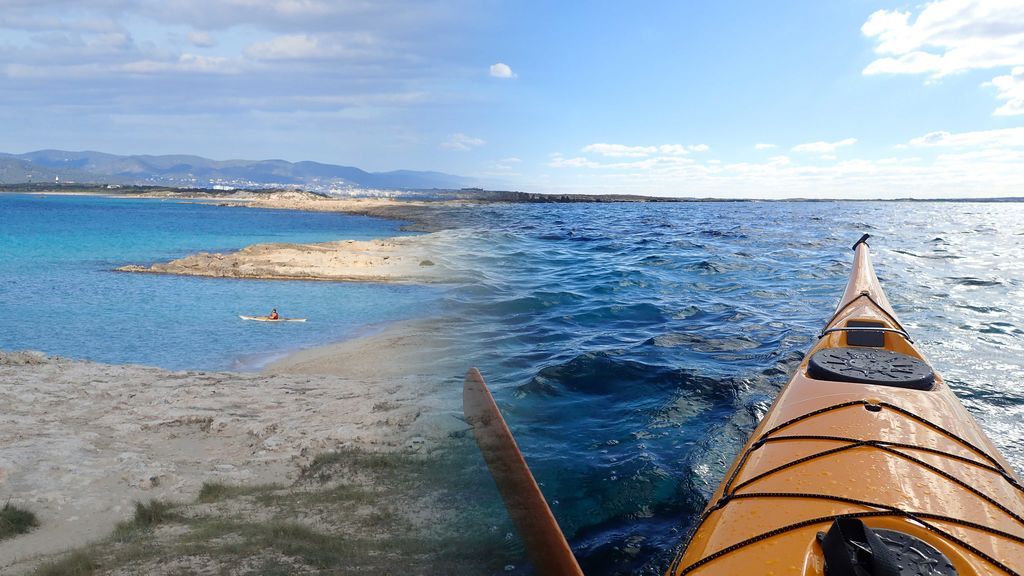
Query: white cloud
1010	88
290	47
950	37
558	161
201	39
764	146
620	150
826	149
973	173
184	63
673	149
947	36
939	164
624	151
1000	138
462	142
502	70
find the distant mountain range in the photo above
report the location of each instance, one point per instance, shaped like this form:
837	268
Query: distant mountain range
196	171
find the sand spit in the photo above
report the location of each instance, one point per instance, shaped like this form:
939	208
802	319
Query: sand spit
82	441
403	259
423	216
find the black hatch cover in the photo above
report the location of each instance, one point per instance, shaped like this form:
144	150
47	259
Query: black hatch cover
871	366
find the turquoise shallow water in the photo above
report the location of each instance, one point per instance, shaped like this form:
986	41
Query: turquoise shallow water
633	348
60	295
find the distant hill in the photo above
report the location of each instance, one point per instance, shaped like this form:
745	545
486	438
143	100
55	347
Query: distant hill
199	172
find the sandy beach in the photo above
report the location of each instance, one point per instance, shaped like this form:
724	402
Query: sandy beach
83	441
422	216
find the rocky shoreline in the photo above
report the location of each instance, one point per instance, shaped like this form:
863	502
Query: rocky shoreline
411	259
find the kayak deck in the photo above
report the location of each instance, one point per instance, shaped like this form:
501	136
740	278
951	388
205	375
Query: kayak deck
906	459
265	319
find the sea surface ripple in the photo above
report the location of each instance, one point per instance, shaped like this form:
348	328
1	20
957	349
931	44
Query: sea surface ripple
634	347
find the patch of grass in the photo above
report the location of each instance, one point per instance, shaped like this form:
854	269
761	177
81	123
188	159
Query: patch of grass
320	467
351	511
147	515
229	538
15	520
77	563
156	512
217	491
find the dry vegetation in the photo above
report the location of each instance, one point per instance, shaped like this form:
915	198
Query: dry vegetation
350	512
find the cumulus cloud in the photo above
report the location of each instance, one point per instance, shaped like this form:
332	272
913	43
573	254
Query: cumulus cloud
953	173
763	146
462	142
184	63
625	151
1010	88
620	150
351	47
558	161
824	148
947	37
981	163
502	70
1000	138
953	36
201	39
289	47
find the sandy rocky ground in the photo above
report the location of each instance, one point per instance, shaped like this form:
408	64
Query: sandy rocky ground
81	442
402	259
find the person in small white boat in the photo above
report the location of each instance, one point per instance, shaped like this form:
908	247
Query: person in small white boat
273	315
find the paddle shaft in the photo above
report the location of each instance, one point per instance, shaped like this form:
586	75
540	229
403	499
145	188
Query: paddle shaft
526	505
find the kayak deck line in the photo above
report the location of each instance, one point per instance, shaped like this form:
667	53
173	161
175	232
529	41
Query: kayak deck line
865	294
872	436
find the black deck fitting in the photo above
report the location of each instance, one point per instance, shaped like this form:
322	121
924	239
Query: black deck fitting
863	240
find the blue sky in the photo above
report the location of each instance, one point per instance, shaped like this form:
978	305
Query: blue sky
846	98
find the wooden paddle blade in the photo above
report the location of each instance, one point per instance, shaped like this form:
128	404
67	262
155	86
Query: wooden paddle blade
533	518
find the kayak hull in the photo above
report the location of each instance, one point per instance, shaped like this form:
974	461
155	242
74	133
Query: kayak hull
908	460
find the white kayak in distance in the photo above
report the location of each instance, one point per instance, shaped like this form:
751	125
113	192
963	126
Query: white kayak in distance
269	319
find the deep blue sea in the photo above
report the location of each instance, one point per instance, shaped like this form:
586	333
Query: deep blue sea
59	293
632	347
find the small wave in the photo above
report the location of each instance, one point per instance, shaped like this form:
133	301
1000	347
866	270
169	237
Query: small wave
722	234
603	373
623	315
703	344
982	309
972	281
704	266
